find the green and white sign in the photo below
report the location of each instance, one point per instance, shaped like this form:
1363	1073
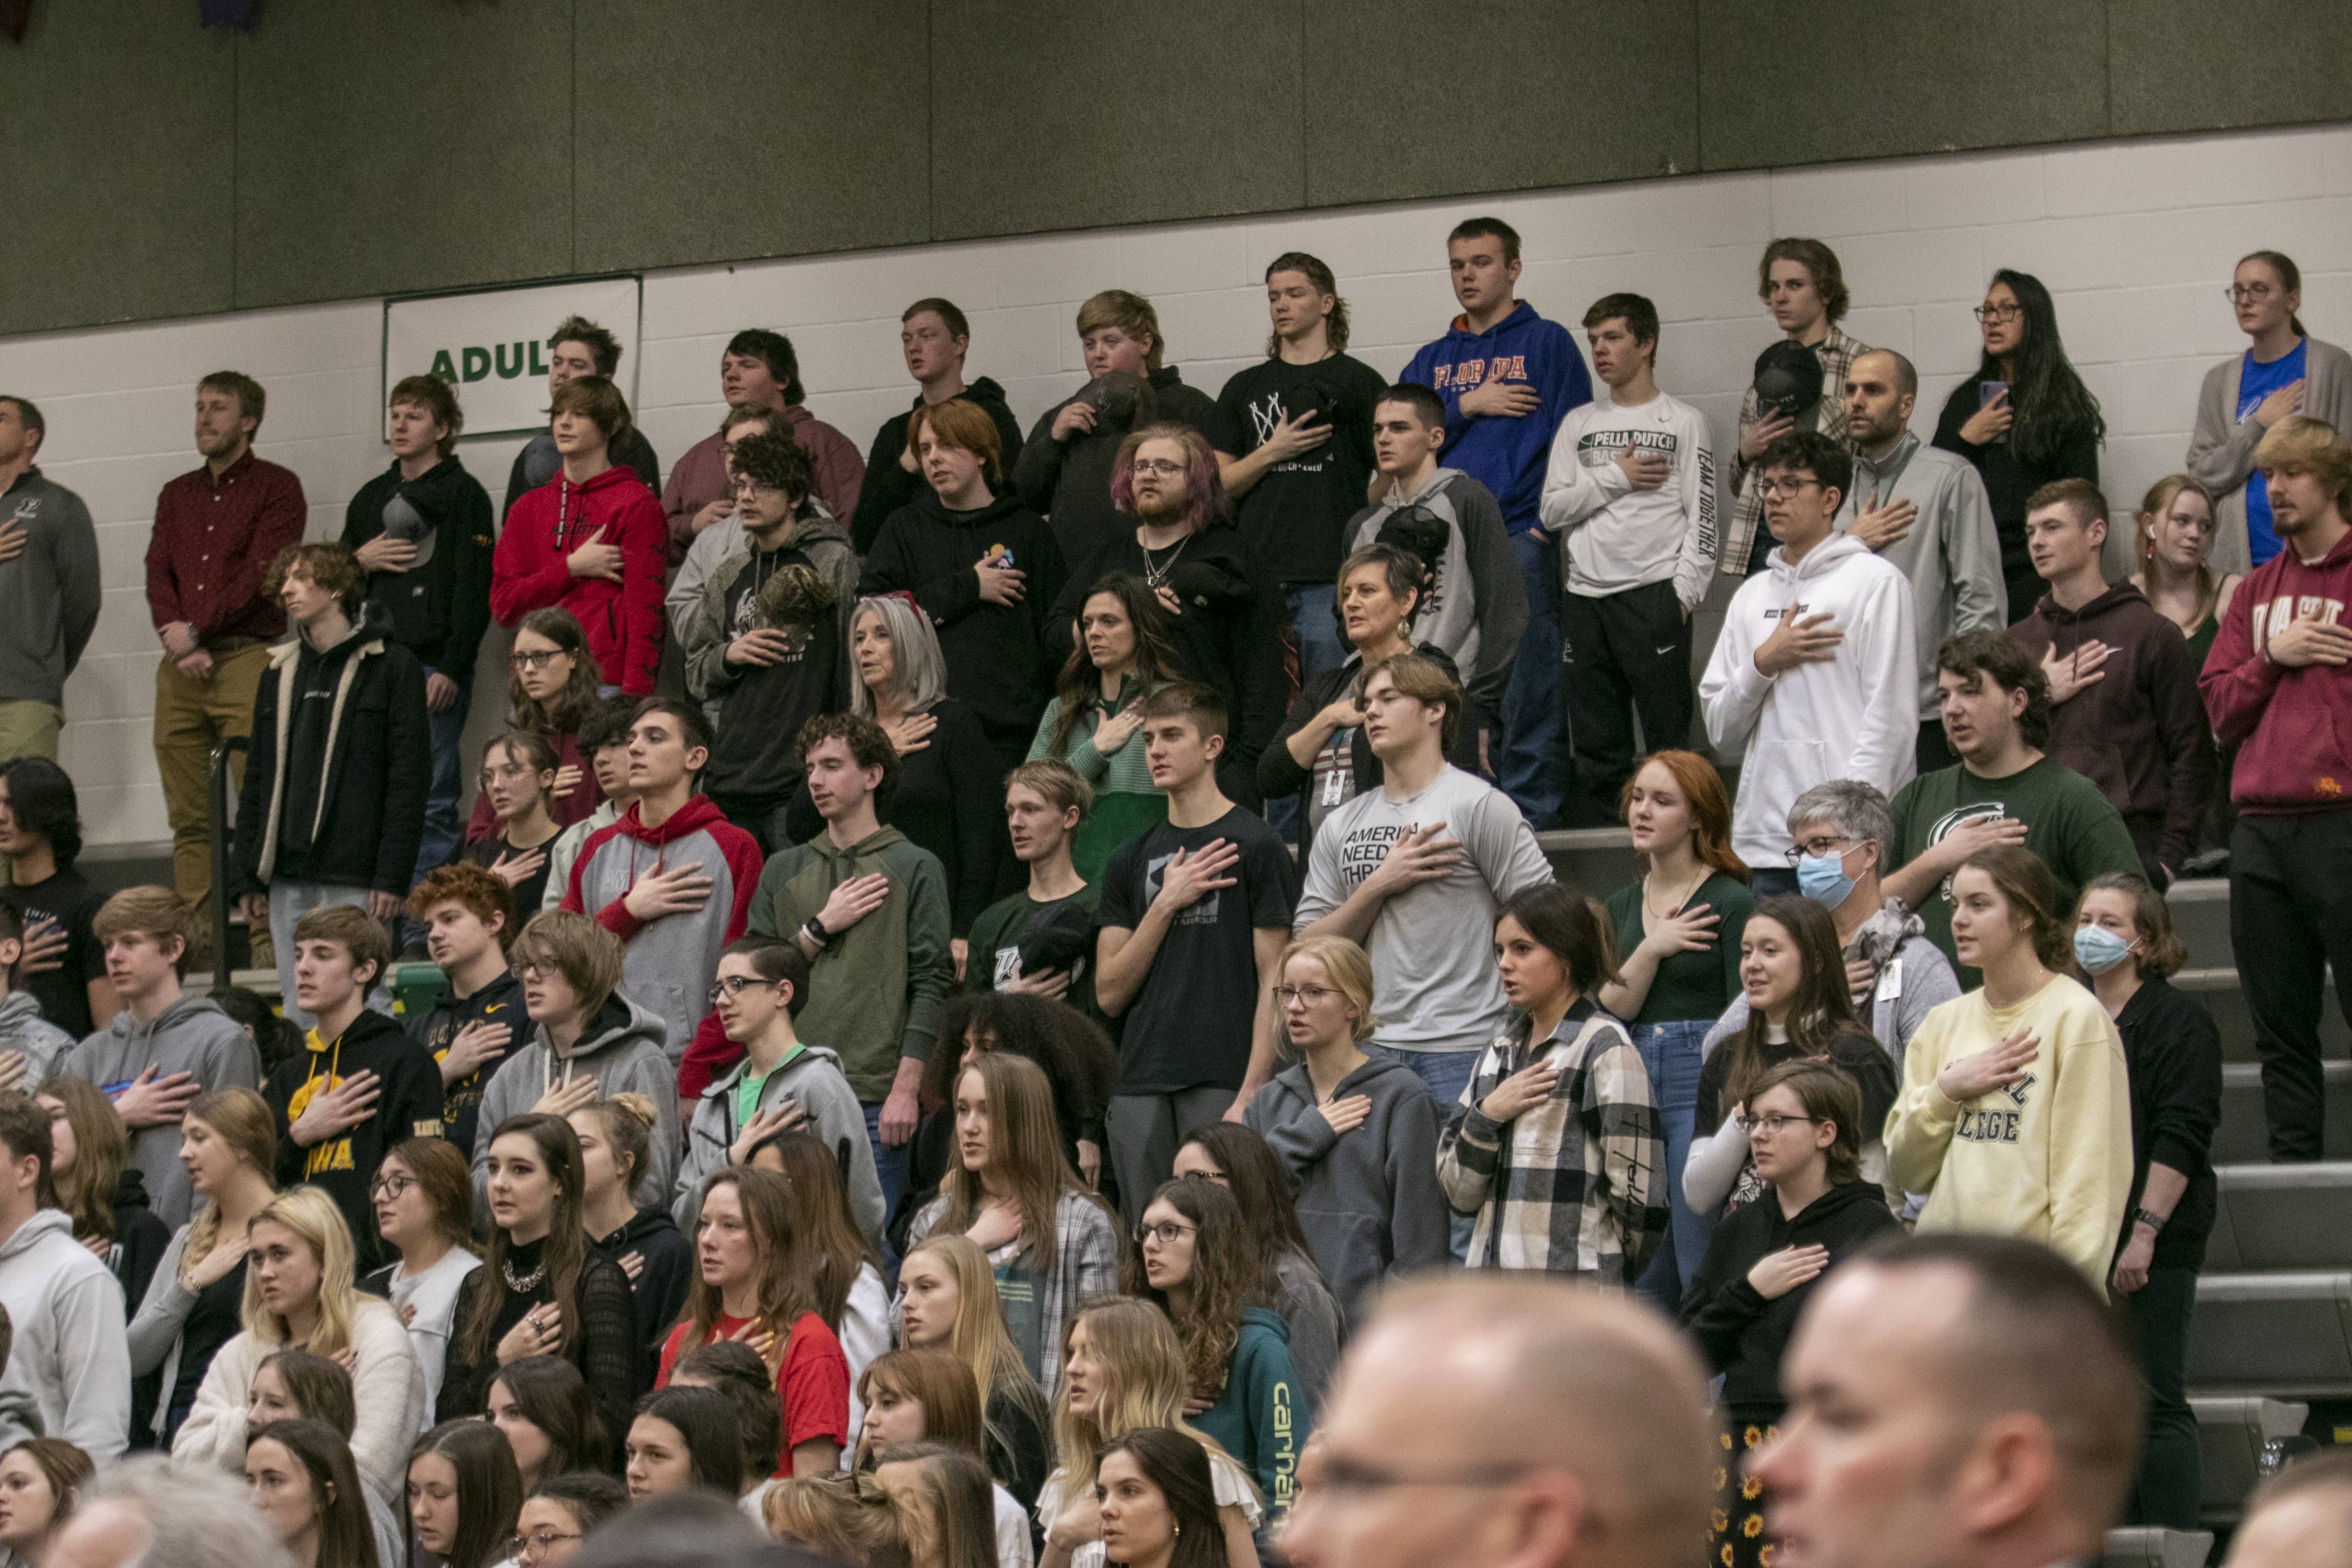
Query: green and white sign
491	346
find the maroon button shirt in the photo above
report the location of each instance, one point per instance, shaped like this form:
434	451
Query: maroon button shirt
213	541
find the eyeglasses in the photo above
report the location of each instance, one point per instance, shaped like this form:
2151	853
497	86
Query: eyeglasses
2247	293
1341	1474
734	985
1786	490
536	1545
1165	1233
1999	312
390	1184
489	776
535	660
535	969
1770	1125
1312	996
1821	845
1160	465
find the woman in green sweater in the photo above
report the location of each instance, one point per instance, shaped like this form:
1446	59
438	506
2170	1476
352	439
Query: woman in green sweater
1122	653
1677	931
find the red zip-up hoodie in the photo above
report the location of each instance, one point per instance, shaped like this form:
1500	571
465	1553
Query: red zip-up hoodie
2293	728
528	570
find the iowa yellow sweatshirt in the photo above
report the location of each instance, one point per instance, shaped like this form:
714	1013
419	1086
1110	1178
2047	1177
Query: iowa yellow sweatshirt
2048	1158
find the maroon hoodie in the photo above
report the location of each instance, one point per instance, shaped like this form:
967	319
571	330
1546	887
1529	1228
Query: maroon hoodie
2293	728
530	570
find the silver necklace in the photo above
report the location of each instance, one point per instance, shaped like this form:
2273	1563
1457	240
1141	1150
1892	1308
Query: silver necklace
1154	575
523	1284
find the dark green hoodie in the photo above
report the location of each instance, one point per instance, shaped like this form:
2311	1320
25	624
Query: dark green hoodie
1260	1418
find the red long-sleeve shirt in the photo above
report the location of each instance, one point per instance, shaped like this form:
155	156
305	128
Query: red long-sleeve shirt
213	541
2295	744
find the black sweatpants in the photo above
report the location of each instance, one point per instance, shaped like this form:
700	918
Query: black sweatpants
1624	654
2290	917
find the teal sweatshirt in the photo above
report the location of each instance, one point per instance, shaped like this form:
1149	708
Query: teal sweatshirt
1260	1417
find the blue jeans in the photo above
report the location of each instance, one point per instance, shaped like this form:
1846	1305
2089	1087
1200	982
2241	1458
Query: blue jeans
445	733
890	1165
1528	761
1447	1074
1670	1054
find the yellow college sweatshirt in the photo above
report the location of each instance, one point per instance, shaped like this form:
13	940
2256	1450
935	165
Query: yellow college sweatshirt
2048	1158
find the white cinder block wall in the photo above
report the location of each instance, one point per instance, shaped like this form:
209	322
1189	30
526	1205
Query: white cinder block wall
2136	240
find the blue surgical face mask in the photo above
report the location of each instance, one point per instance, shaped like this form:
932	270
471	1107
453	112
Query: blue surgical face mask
2098	950
1823	878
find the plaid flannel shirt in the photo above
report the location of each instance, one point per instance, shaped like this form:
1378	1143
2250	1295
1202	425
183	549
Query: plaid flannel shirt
1837	353
1085	1266
1575	1185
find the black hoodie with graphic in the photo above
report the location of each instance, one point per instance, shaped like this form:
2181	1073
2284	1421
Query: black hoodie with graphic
889	486
500	1002
408	1105
440	607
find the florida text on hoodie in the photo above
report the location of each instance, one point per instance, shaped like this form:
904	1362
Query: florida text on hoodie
2138	733
667	962
1854	716
2048	1158
338	762
621	1048
408	1105
889	485
810	1077
996	655
498	1002
1506	453
874	991
1951	554
530	569
1617	537
1476	606
192	1036
2293	727
69	1373
1260	1415
1575	1185
1368	1198
439	608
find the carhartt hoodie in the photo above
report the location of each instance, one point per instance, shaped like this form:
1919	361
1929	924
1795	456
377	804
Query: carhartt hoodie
1260	1417
528	569
1369	1197
68	1373
812	1078
2294	745
621	1048
1507	454
667	962
191	1036
1853	716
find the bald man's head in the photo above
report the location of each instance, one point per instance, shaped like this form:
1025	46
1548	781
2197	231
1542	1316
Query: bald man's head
2300	1518
1515	1423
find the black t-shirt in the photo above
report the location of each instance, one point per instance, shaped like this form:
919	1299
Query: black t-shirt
1292	520
1190	1024
72	903
525	897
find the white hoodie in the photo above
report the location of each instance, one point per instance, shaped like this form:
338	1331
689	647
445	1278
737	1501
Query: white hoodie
1856	716
1618	537
71	1365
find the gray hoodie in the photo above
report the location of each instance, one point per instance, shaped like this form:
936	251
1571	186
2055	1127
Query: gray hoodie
1368	1198
23	1029
622	1049
191	1036
69	1370
1477	608
813	1076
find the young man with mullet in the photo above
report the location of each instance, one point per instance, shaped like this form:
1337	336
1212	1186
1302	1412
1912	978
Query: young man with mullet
1802	283
1193	919
1294	440
1406	869
1811	679
473	1027
68	1370
869	910
2003	789
2123	685
1925	510
591	540
586	1042
1630	493
784	1083
359	1086
579	347
2278	684
1474	606
934	336
165	1046
672	879
1509	377
335	783
1045	801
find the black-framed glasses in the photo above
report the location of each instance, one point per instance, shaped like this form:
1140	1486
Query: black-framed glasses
1823	844
538	660
390	1184
534	969
1790	490
1771	1126
1160	465
1998	312
734	985
1165	1233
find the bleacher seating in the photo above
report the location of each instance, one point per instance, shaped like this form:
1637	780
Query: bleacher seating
2231	1434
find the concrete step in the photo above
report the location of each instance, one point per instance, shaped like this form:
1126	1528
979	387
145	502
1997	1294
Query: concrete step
2231	1437
2200	914
2286	1335
1595	859
2146	1546
2244	1134
2272	1217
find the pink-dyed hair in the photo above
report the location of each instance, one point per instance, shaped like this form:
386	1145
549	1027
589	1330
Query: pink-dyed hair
1204	490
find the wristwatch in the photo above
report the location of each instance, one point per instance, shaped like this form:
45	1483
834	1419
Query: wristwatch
815	928
2152	1220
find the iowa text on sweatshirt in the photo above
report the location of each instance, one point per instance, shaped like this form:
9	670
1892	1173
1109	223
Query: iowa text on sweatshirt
1617	537
1506	454
1856	716
2293	728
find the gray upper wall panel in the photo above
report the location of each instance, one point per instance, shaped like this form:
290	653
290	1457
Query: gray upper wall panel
2200	65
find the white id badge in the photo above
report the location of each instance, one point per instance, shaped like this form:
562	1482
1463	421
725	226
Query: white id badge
1890	982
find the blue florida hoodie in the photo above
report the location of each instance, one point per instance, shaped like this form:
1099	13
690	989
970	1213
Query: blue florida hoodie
1506	455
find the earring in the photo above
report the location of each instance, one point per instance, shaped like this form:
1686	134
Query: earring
1179	1529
